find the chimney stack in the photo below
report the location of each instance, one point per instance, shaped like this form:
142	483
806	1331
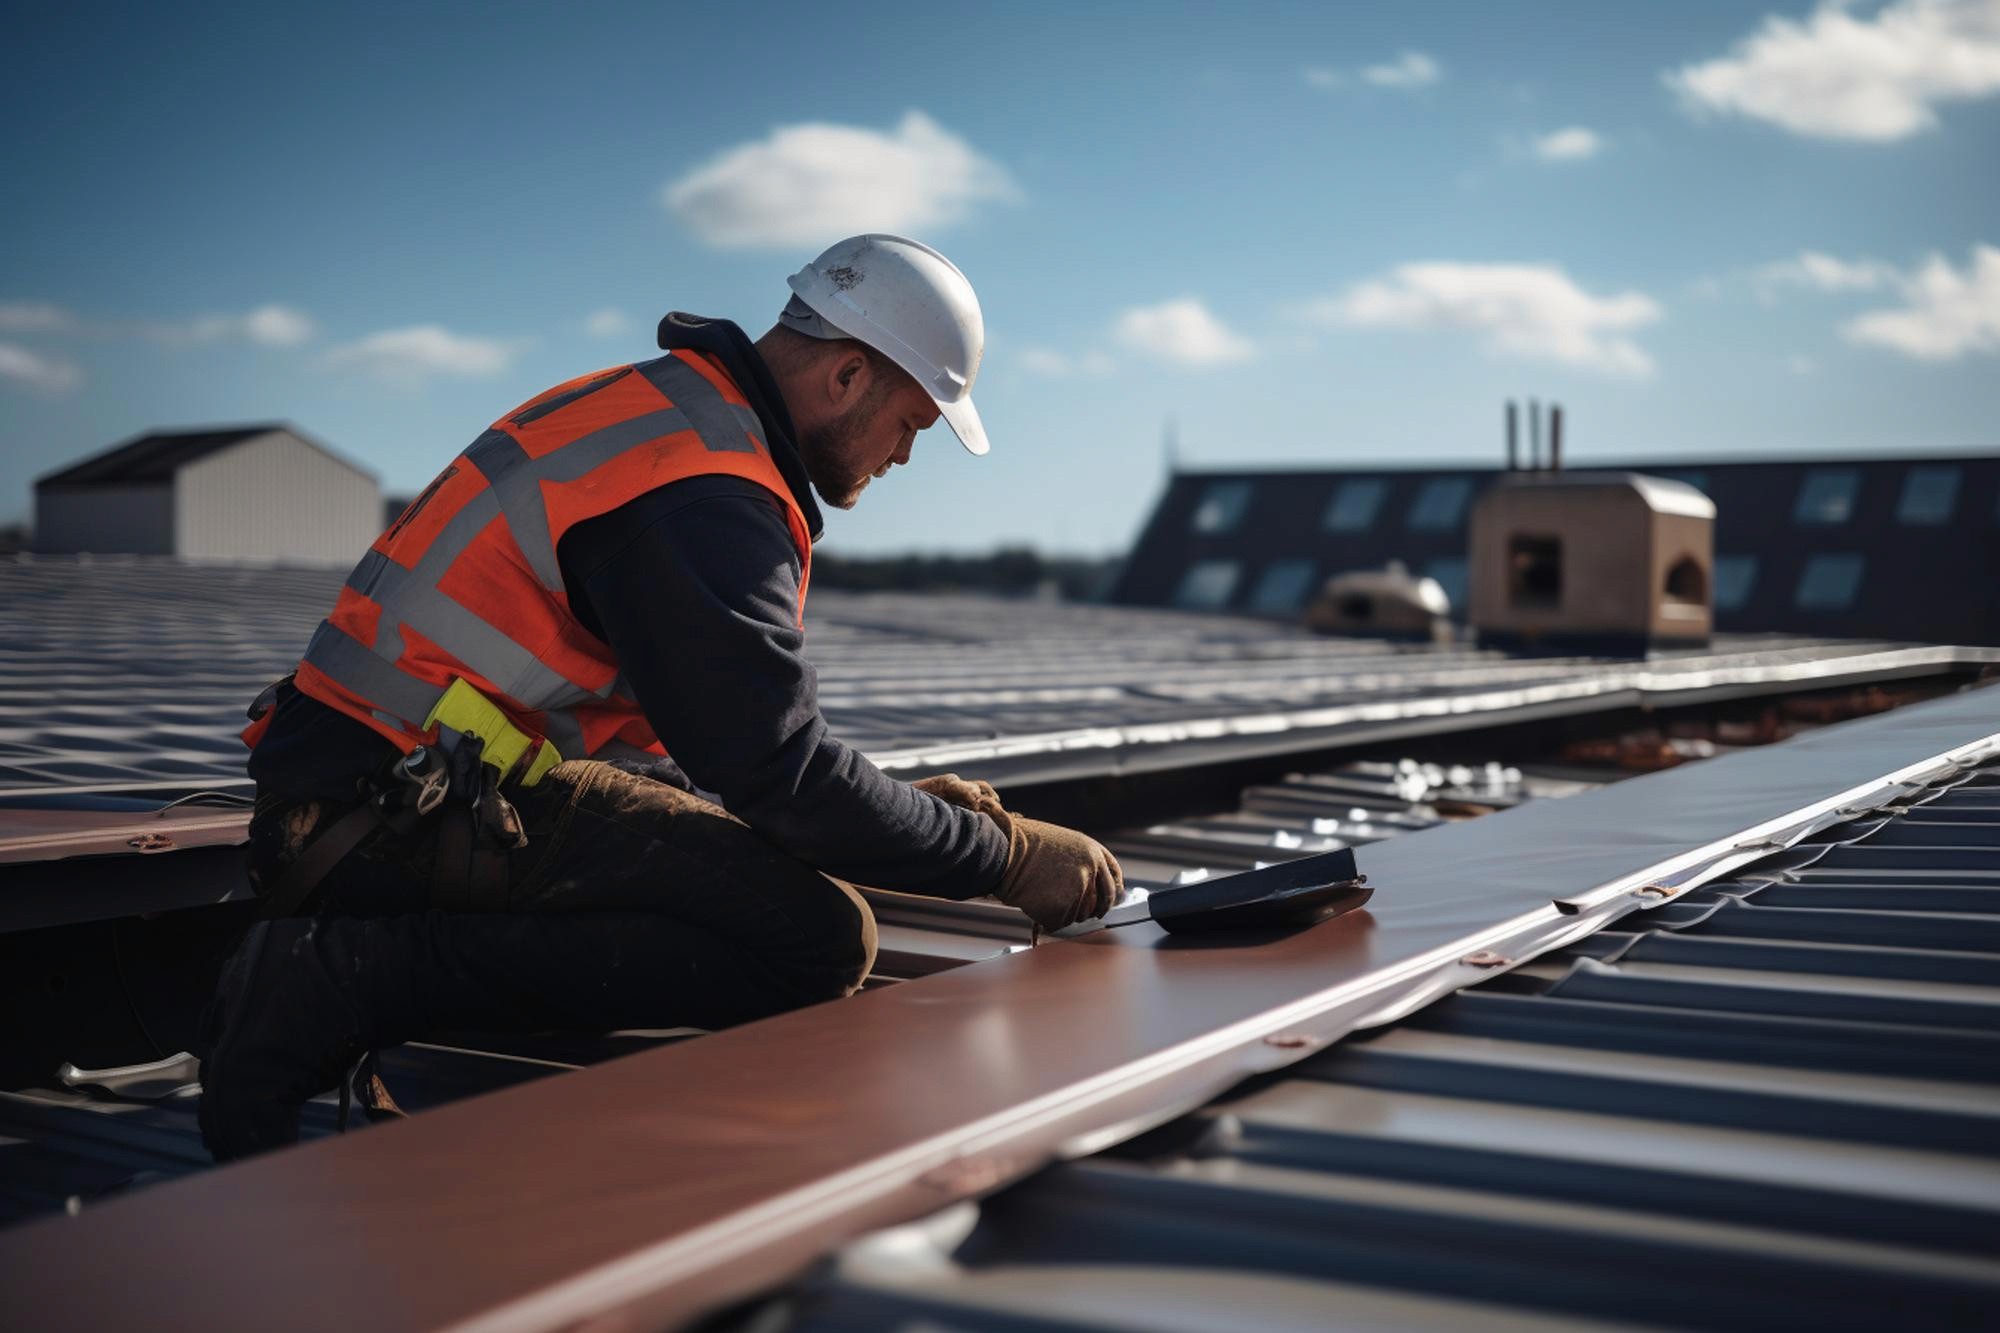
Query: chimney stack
1513	438
1534	435
1555	437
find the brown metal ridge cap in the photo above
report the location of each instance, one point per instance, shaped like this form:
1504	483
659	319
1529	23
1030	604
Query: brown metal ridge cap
657	1187
665	1183
51	835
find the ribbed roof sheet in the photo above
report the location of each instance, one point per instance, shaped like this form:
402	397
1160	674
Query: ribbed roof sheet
1774	1103
124	672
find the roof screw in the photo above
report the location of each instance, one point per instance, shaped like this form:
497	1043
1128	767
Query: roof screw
151	842
1652	891
1486	958
964	1175
1292	1041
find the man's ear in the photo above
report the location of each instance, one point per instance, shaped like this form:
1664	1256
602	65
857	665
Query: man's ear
846	378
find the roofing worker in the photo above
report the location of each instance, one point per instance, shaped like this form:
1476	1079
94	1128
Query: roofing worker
467	816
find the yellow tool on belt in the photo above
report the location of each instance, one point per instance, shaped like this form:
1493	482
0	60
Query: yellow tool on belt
466	711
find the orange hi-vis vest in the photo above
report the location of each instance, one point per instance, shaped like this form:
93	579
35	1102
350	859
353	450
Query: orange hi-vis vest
465	584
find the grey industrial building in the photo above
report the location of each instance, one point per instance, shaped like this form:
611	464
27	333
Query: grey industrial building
264	493
1831	547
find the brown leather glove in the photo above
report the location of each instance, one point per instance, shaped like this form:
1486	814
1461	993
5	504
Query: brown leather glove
955	790
1056	875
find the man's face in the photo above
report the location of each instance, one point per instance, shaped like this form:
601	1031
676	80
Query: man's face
866	439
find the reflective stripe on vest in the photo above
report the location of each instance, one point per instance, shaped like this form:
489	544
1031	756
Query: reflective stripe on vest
465	584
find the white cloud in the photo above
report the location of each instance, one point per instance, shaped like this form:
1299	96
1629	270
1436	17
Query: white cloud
1182	332
1574	144
1048	363
1947	313
37	371
35	317
811	184
1838	76
424	350
1527	310
1823	273
1412	69
1043	361
277	326
609	322
1801	365
270	325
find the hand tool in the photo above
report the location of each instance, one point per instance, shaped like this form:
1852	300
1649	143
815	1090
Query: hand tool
1293	893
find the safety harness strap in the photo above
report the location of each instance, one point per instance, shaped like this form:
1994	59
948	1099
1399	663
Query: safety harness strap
295	886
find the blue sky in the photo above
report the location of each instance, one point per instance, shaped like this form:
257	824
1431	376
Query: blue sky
1307	233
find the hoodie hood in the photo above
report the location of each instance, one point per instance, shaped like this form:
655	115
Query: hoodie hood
727	343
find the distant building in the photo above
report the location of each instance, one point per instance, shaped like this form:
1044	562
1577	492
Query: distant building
1840	548
261	493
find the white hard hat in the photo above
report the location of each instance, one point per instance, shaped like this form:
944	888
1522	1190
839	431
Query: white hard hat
911	304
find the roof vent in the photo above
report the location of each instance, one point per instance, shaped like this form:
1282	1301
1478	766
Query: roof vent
1385	603
1617	560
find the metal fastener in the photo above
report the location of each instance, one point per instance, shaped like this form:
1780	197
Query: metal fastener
1652	891
1292	1041
1486	958
151	842
964	1175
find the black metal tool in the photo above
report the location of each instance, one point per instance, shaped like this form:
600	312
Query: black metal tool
1295	893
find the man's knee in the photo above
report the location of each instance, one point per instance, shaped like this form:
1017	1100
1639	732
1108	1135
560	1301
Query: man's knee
853	943
829	946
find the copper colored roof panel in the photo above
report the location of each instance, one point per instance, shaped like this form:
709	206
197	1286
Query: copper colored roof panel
665	1183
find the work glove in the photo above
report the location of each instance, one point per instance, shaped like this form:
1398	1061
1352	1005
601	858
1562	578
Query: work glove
1054	874
955	790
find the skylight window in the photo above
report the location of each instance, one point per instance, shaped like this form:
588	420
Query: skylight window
1440	504
1829	583
1735	577
1207	585
1929	496
1282	587
1221	507
1354	505
1827	497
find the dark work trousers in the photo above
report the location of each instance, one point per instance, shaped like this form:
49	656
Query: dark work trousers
634	904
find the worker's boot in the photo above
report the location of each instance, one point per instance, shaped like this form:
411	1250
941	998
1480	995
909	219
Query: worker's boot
297	1004
303	999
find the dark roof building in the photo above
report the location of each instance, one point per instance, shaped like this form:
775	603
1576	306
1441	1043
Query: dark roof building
155	456
1835	547
261	493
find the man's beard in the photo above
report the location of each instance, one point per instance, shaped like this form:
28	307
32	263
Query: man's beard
827	452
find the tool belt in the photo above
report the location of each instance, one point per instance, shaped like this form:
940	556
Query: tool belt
456	783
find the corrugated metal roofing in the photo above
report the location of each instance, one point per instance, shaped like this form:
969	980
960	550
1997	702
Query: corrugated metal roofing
128	672
1774	1103
155	456
670	1181
892	651
73	1147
